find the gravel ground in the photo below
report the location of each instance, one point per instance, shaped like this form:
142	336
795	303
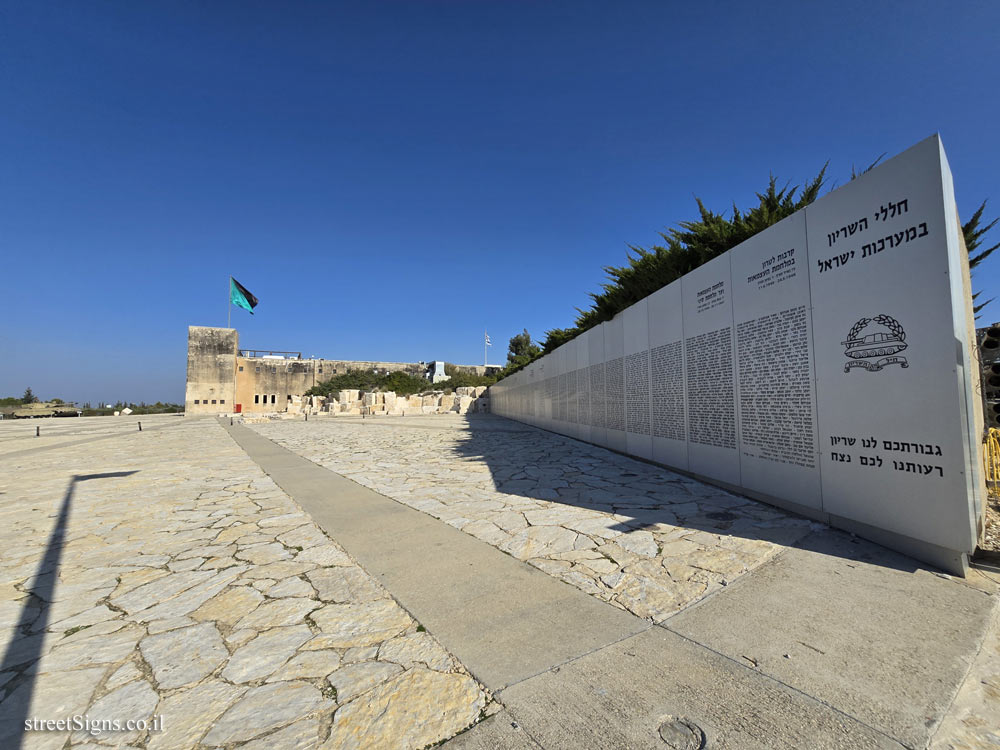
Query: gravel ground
992	537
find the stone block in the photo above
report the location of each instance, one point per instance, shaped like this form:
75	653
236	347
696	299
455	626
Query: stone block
431	400
480	390
447	402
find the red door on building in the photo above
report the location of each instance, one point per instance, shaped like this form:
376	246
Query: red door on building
239	408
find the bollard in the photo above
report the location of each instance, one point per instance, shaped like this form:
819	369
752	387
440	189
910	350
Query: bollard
231	419
307	413
38	431
140	426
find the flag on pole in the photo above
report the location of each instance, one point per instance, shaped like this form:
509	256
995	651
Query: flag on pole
488	342
240	296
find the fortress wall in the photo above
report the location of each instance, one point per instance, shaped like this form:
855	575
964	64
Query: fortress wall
257	384
824	365
262	379
283	379
211	364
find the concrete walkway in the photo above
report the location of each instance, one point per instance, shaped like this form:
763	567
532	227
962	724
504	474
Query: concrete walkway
834	643
510	620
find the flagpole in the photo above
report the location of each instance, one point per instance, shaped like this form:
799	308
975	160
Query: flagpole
229	303
486	337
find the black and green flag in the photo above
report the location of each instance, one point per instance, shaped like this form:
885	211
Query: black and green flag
240	296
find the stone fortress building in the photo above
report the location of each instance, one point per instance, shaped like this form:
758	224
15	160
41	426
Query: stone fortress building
222	378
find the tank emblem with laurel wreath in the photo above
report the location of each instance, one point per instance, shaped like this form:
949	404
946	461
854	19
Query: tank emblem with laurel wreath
875	348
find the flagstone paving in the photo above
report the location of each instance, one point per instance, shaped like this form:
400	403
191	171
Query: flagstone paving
164	574
645	539
18	435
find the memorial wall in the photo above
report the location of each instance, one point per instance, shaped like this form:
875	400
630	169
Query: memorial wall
823	365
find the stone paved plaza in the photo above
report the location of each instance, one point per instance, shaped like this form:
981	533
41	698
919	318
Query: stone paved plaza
164	574
643	538
19	435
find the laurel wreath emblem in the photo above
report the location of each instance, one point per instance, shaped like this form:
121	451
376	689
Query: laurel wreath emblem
888	321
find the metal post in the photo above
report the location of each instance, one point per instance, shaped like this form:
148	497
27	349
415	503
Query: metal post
230	421
140	426
38	431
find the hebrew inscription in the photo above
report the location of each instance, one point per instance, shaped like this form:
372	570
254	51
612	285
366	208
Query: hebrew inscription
667	367
873	459
873	246
597	397
637	393
711	418
776	399
551	393
775	269
614	376
572	414
583	384
561	397
712	297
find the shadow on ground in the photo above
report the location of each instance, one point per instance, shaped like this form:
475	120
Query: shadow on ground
564	470
29	634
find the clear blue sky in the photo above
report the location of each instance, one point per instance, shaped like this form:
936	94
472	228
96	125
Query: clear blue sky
390	178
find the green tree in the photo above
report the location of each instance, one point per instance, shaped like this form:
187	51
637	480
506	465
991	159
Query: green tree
28	397
689	245
403	384
559	336
974	231
521	346
463	379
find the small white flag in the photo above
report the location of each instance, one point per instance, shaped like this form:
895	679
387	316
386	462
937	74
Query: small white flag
488	342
